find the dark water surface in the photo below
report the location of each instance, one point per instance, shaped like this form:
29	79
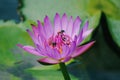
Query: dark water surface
8	10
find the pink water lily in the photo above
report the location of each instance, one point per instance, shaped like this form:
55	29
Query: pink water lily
58	43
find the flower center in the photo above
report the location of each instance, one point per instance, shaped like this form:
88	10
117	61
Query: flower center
58	40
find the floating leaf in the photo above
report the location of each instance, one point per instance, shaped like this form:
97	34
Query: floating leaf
7	76
51	74
13	34
46	7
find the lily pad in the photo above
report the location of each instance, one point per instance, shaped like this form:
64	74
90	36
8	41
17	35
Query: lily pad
71	8
114	28
51	74
9	76
12	34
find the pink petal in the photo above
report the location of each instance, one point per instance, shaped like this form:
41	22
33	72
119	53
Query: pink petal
52	53
82	49
39	23
48	60
32	36
56	54
76	26
85	27
57	24
67	51
73	46
70	26
41	34
35	30
66	59
64	22
40	49
86	33
75	38
80	38
41	40
29	49
48	27
41	29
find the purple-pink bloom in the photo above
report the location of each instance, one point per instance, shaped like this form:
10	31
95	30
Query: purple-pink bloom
59	42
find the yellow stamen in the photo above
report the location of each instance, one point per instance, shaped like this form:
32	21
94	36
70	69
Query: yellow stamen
61	59
60	50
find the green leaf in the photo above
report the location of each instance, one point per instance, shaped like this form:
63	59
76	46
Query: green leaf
7	76
11	35
101	58
48	67
112	11
114	27
36	10
14	60
51	74
8	42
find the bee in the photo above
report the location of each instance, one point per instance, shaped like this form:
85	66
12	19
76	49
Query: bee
61	32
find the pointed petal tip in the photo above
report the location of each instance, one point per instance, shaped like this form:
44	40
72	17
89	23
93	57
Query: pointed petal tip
71	17
92	42
87	22
46	16
87	33
38	21
64	14
78	18
57	15
32	24
80	50
91	30
85	27
20	45
27	30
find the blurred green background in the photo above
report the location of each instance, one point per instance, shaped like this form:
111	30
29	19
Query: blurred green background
101	62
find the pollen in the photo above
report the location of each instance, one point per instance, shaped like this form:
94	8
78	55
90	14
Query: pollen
60	50
61	59
59	40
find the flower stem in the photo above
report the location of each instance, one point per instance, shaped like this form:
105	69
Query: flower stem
64	71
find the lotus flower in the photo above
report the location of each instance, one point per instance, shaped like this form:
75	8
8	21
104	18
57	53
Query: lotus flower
58	43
